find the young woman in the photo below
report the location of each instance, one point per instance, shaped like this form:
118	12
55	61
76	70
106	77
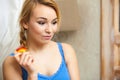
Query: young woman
44	59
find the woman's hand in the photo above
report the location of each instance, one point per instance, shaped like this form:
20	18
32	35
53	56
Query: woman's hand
26	60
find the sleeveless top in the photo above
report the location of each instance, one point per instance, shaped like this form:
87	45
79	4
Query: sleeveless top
61	74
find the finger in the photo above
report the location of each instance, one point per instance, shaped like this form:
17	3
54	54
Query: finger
30	60
18	56
26	59
23	56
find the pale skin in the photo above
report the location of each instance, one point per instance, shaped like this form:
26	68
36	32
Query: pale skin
42	53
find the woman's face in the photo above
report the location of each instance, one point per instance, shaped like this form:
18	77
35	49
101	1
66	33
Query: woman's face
42	24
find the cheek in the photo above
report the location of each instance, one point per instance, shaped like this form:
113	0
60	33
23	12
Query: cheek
35	29
55	29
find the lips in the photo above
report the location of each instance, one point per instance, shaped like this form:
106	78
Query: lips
47	37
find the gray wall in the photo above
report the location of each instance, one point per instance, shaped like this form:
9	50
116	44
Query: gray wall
86	40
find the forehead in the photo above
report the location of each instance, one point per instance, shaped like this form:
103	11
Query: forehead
41	10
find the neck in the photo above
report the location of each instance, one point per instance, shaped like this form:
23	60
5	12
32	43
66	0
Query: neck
36	48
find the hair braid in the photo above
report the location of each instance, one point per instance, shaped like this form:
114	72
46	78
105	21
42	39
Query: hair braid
23	37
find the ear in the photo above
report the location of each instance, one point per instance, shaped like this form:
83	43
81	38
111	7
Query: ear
25	25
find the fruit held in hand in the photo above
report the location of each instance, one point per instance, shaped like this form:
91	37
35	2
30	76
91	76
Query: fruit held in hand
21	49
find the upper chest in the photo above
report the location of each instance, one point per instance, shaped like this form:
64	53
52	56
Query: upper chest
49	62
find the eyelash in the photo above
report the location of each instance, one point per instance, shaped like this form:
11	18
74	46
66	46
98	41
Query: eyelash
42	22
55	22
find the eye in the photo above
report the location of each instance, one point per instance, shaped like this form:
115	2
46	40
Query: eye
54	22
41	22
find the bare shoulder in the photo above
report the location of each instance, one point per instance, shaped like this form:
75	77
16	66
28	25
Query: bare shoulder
71	61
69	51
67	46
9	60
10	65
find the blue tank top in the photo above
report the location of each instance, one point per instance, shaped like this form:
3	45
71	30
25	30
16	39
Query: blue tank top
61	74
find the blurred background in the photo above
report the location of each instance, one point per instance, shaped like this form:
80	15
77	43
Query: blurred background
80	27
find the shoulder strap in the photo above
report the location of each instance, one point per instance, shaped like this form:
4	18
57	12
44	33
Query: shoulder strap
12	54
24	74
61	49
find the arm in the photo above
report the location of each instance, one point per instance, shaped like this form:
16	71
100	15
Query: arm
11	70
71	62
27	62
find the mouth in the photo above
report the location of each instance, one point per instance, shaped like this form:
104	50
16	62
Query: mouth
47	37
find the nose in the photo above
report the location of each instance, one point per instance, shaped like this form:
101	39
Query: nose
48	29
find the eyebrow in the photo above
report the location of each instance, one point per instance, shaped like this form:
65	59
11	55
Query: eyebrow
45	18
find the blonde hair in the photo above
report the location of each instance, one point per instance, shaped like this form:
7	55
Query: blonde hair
26	11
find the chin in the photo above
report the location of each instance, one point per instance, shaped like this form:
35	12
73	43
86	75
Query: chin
46	41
